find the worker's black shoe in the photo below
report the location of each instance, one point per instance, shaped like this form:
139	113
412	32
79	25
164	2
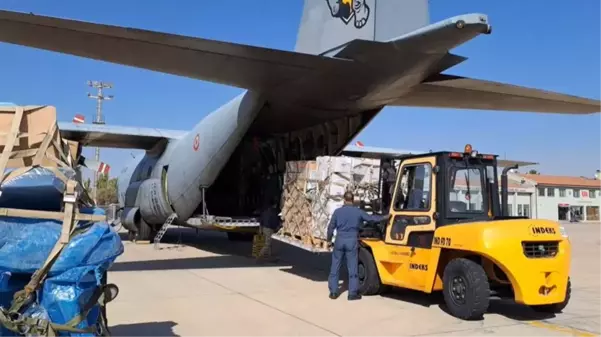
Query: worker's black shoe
333	296
354	297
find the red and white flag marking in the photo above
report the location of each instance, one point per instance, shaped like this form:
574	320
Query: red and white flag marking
359	143
79	119
104	168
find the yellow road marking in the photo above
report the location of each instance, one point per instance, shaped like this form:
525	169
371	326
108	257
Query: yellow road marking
559	328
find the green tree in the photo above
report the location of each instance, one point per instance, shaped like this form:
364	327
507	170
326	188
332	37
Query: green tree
106	190
87	185
533	171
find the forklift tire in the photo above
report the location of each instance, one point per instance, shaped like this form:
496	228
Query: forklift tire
555	308
466	289
367	271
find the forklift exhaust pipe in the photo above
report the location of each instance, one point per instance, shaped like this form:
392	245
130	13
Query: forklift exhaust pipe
505	189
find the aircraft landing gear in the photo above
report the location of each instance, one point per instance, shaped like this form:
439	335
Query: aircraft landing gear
144	232
234	236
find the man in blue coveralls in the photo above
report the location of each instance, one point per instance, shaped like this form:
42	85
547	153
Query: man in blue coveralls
347	221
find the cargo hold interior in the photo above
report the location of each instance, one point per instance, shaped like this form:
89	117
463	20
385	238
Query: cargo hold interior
255	172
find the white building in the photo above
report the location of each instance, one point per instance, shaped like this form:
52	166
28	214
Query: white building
557	198
520	198
563	198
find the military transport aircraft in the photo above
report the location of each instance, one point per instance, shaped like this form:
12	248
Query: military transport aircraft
352	58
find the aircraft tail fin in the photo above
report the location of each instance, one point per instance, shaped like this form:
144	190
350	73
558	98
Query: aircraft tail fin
328	24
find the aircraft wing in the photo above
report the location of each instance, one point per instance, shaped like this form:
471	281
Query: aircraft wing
375	152
381	152
456	92
231	64
116	136
509	162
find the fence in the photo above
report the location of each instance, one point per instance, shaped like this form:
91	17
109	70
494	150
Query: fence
111	212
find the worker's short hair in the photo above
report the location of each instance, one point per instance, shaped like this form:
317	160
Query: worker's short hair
348	196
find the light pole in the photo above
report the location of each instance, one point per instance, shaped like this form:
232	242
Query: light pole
99	97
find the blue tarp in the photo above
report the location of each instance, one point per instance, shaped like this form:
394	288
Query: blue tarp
37	189
24	246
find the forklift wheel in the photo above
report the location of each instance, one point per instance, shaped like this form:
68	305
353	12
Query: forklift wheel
369	280
555	308
466	289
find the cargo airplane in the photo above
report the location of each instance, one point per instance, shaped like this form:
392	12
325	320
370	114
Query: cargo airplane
352	58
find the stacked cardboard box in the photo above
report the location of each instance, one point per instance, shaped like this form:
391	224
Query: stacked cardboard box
35	156
30	136
314	189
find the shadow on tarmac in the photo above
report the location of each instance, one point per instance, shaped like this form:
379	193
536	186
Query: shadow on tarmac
144	329
296	261
234	254
515	311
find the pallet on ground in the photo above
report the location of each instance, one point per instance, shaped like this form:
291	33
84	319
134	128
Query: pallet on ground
302	243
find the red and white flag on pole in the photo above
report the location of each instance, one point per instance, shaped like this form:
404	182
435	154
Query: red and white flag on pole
104	168
80	119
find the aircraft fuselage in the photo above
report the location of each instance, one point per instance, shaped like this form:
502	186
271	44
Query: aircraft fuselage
170	178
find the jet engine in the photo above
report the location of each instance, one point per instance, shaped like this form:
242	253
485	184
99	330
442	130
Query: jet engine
151	205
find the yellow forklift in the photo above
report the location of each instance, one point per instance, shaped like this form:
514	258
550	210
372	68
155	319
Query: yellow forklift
449	232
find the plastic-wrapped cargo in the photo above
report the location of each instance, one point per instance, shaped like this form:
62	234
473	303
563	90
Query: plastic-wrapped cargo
39	188
72	279
314	189
45	213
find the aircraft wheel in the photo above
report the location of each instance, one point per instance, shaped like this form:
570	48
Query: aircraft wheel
104	282
466	289
367	272
555	307
144	231
235	236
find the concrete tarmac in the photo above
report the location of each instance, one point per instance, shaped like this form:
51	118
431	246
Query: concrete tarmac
207	285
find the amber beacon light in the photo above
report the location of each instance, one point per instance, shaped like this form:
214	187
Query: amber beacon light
468	149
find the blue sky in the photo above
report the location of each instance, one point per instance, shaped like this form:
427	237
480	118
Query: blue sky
548	44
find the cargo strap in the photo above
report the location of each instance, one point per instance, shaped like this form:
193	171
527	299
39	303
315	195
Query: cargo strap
15	322
22	297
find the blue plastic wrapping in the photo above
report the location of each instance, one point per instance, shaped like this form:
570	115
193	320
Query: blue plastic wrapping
38	189
24	246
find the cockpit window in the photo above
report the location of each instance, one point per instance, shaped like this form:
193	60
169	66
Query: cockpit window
466	194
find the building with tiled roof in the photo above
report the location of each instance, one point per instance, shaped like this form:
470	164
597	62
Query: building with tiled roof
566	198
